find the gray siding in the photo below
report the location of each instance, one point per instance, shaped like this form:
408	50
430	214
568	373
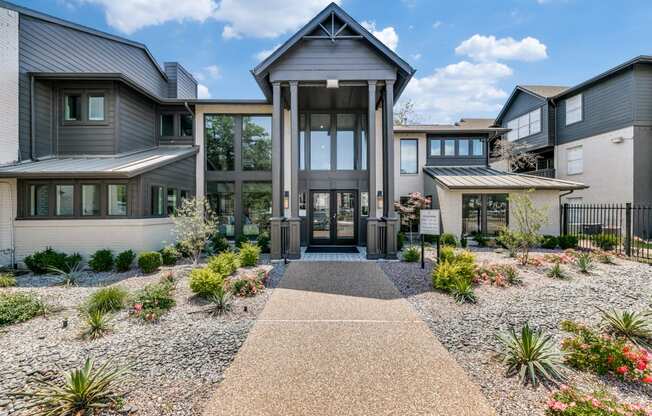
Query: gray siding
44	104
136	122
180	83
48	47
456	160
642	166
643	93
524	103
607	105
323	59
180	175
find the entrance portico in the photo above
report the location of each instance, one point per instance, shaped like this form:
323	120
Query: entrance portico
335	85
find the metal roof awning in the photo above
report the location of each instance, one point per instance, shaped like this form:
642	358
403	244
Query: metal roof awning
115	166
479	177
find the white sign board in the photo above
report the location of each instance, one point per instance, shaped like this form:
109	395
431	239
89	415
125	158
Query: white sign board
429	221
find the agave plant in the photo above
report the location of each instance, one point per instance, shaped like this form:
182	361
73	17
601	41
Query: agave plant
635	326
530	355
71	276
98	324
462	290
556	271
85	390
584	262
221	301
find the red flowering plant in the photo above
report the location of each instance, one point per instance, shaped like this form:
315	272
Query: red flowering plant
153	301
501	275
247	286
568	401
564	258
588	350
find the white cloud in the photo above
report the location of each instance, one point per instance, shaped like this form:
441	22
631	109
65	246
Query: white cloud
265	53
202	91
416	56
463	88
489	49
213	71
436	24
265	18
129	16
387	35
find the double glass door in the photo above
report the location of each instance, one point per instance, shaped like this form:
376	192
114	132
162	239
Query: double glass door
333	217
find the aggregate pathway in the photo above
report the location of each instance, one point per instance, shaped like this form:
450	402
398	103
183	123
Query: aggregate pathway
339	339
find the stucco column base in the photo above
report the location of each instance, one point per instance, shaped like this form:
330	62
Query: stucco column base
275	237
372	239
392	232
294	251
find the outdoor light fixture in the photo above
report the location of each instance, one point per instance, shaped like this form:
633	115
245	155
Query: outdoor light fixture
332	83
618	139
286	199
379	200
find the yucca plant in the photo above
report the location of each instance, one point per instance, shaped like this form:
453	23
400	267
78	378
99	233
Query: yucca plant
98	324
71	275
556	271
221	301
635	326
462	290
530	355
85	390
584	262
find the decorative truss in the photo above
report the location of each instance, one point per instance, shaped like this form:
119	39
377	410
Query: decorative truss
333	34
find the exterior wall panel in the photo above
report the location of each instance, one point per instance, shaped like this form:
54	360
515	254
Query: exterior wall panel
522	104
137	121
642	165
8	209
8	86
179	175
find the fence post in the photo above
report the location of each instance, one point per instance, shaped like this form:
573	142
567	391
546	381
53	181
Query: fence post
564	222
628	229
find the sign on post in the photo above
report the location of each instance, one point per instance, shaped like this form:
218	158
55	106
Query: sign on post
428	225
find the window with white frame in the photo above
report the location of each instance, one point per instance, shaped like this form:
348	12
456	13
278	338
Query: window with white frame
574	109
574	160
525	125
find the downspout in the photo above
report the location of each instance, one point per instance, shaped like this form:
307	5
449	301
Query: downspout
12	225
561	226
554	135
185	103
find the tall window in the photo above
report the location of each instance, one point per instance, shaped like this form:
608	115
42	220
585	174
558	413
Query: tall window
435	147
185	123
345	141
574	160
302	141
320	142
257	207
496	213
363	143
72	107
574	109
173	198
220	132
471	214
221	196
364	203
484	213
39	200
463	146
409	156
449	147
90	200
117	199
65	200
158	201
96	107
167	125
257	143
525	125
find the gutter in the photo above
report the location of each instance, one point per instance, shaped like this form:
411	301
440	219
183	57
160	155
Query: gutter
185	103
12	227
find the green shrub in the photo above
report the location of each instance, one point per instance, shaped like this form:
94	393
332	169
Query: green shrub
465	256
549	242
153	301
400	240
219	243
411	254
447	271
446	253
169	255
263	242
605	242
101	261
605	258
80	392
448	239
124	260
19	307
531	355
568	401
205	282
41	261
97	324
567	241
634	326
7	280
480	239
107	299
149	261
249	254
224	264
463	241
247	286
556	271
508	239
510	273
242	239
462	290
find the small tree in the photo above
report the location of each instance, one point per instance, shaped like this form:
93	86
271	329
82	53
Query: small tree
514	155
411	209
194	224
529	220
404	113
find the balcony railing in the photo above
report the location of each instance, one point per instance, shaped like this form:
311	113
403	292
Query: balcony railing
546	173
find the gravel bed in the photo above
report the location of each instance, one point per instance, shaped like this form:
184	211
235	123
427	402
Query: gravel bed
175	364
469	331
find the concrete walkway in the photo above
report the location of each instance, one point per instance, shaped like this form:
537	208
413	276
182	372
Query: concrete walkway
338	339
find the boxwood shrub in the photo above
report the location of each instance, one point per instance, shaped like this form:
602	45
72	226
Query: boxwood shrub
149	261
124	260
205	282
225	263
249	254
411	254
448	239
567	241
549	242
169	255
40	262
101	261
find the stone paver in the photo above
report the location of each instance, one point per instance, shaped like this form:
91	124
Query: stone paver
338	339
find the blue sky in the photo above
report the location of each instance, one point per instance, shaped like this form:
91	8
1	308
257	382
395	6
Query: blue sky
469	55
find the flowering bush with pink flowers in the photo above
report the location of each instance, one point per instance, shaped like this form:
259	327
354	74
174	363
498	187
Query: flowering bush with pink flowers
571	402
605	354
501	275
153	301
564	258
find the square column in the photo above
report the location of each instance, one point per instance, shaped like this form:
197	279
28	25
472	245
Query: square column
372	219
294	249
277	160
390	218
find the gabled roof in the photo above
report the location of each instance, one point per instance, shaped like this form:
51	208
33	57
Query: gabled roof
542	92
121	166
260	71
545	91
480	177
465	125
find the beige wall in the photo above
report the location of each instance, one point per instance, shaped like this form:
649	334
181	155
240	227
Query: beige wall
7	215
8	86
450	202
608	167
88	236
408	183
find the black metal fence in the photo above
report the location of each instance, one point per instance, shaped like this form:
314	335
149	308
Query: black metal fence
623	228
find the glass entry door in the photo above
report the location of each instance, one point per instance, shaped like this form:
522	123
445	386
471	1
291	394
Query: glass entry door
333	218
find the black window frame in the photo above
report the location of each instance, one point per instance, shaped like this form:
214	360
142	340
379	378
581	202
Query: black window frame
84	94
483	210
75	198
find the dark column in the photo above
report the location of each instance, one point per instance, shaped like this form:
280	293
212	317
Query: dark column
277	160
294	221
372	220
390	217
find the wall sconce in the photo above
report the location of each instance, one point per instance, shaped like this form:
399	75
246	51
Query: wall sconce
286	199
